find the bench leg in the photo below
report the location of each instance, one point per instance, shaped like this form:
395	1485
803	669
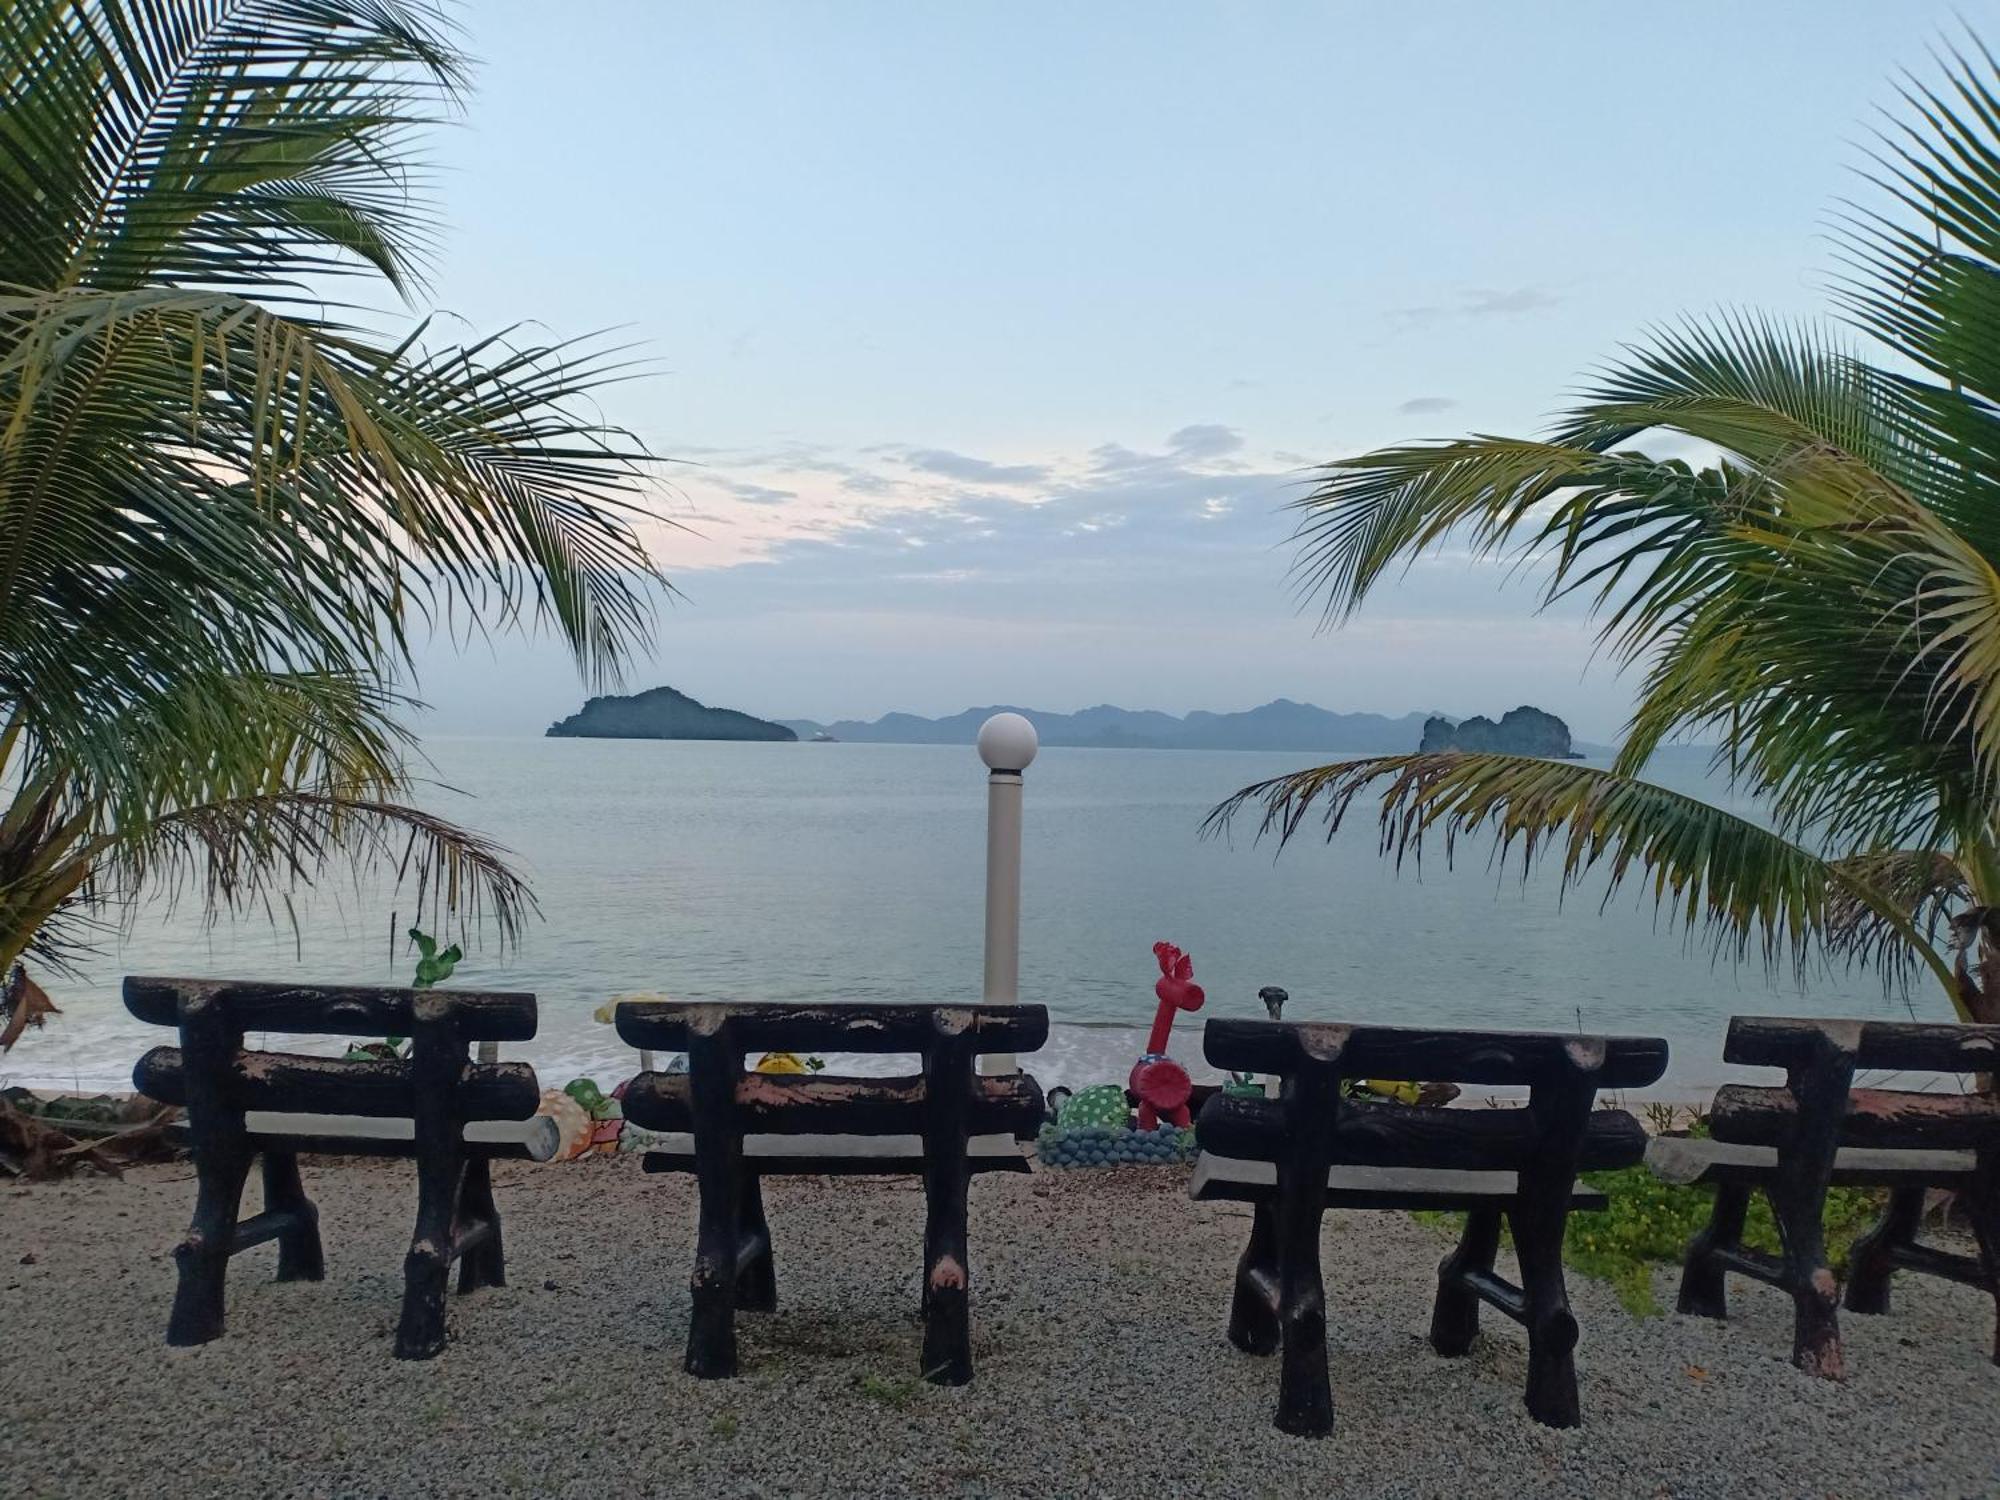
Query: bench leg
1305	1391
947	1297
222	1162
1800	1210
427	1268
757	1281
711	1346
1253	1321
1703	1294
485	1264
1455	1318
1552	1331
1982	1206
1872	1261
300	1256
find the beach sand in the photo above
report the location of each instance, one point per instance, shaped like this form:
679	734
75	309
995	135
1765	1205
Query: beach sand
1099	1303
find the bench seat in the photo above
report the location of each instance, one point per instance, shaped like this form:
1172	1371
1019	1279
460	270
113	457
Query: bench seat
1228	1179
534	1139
1691	1163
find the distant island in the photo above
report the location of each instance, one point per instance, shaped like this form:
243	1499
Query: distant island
1521	731
663	714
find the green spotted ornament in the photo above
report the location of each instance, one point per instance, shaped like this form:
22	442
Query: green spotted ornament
1101	1104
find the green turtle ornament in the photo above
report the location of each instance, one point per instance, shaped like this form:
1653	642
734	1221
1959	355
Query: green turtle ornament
1101	1104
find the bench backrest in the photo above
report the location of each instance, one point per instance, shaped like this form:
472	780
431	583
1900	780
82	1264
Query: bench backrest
1818	1102
1312	1114
717	1094
212	1071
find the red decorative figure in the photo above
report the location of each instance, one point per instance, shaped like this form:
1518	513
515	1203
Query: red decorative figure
1163	1085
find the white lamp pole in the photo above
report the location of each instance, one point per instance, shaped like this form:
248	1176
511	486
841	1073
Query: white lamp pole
1007	743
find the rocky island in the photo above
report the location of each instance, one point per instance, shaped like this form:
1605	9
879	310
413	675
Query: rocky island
1521	731
662	713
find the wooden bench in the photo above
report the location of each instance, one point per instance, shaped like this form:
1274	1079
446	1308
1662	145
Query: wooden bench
1818	1131
736	1128
450	1114
1312	1148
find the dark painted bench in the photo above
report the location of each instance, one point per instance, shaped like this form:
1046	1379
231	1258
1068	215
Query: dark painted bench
1312	1148
450	1114
735	1127
1819	1131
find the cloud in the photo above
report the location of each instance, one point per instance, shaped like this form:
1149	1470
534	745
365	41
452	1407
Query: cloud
1205	440
1480	302
756	494
1424	406
1085	510
964	466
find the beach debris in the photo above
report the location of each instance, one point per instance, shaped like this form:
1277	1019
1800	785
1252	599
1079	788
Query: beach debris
23	1003
42	1139
1161	1084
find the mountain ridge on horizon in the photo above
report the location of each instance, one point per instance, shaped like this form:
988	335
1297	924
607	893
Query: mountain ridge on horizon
1281	724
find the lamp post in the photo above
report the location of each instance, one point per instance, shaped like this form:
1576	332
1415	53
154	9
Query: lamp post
1007	743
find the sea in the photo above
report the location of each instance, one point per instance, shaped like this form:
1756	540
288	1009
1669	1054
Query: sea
850	872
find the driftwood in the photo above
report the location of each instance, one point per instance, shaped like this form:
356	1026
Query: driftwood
1328	1150
1818	1130
437	1086
37	1148
719	1103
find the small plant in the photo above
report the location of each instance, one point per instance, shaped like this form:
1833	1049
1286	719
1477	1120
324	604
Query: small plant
433	968
1661	1117
723	1425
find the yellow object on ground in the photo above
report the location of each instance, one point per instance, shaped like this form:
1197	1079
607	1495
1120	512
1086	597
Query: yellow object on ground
781	1062
1390	1088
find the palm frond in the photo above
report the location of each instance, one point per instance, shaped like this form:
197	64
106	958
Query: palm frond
1749	889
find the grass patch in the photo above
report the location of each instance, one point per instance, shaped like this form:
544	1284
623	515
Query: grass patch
1650	1222
897	1391
723	1425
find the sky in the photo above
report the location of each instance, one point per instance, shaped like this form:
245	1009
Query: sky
986	344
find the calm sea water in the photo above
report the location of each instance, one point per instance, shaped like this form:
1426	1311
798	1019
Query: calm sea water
853	872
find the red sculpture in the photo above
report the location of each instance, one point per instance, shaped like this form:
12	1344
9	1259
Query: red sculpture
1163	1085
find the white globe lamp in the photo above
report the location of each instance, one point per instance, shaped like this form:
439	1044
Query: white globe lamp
1007	742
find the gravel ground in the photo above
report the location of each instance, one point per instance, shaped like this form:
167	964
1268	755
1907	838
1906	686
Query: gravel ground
1099	1301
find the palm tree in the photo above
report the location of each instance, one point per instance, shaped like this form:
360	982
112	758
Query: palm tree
225	503
1821	599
